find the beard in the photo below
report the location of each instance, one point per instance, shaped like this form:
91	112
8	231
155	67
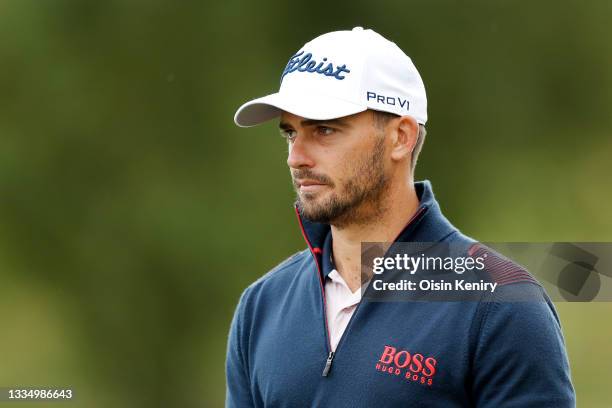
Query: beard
360	200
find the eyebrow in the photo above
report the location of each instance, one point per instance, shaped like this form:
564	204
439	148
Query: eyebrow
312	122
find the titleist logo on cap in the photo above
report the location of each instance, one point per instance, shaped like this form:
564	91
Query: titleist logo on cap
306	63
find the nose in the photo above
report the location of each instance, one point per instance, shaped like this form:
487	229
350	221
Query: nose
299	155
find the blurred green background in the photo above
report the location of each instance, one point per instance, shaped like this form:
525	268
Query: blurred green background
133	212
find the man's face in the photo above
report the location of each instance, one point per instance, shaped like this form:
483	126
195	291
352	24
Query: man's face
338	167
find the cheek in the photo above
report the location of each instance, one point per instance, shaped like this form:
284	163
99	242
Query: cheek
346	168
347	164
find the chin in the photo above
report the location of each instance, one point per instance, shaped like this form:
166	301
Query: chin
311	208
313	196
309	197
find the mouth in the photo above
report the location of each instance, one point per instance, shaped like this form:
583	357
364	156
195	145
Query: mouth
309	186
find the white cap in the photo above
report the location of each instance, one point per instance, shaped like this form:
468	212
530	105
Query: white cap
339	74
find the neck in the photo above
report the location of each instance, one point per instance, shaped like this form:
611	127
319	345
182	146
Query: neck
400	206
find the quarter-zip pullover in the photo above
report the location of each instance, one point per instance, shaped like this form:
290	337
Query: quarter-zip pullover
491	353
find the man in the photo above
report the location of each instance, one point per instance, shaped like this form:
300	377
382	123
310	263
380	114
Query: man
352	107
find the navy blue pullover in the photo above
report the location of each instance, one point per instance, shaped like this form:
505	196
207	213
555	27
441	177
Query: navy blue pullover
491	353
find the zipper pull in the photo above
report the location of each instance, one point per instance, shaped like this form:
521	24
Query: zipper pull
328	363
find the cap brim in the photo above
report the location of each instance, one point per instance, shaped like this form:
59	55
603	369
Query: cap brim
307	106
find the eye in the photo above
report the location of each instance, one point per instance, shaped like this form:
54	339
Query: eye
288	134
325	130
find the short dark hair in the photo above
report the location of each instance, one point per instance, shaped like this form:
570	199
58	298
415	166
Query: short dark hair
382	118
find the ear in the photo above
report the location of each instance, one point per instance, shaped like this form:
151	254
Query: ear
405	131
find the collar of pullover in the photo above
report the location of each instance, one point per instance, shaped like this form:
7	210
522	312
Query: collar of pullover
428	224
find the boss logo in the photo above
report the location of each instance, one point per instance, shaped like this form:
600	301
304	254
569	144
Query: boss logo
412	367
